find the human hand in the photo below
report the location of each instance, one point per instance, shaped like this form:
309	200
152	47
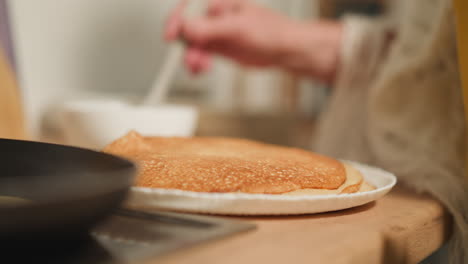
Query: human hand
257	36
238	29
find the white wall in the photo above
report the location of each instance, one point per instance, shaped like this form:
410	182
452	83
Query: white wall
68	46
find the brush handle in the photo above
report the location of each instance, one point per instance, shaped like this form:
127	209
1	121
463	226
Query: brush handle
162	83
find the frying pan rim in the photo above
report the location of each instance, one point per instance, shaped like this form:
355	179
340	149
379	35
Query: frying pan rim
127	168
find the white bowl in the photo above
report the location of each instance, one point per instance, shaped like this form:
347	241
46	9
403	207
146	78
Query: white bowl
96	123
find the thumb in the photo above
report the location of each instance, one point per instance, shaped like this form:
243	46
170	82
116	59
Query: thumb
174	22
203	31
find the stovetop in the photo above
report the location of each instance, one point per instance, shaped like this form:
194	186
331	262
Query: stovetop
128	236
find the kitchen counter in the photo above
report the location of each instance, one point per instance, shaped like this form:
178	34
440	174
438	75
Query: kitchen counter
402	227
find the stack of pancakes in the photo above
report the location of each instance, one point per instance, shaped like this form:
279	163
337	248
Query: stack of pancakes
225	165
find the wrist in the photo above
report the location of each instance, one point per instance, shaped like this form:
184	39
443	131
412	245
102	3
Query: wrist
312	49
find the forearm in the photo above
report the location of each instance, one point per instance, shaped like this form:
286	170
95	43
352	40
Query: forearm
312	49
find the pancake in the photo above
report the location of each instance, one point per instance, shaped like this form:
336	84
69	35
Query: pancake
365	187
215	164
354	182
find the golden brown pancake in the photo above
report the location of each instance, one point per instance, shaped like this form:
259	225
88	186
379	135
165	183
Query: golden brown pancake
211	164
353	183
365	187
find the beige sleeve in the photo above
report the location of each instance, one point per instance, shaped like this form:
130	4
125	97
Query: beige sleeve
341	128
415	122
400	107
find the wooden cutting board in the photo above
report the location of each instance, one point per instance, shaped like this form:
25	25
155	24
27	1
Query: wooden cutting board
11	114
402	227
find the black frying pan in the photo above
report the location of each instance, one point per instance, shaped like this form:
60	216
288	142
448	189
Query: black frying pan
67	190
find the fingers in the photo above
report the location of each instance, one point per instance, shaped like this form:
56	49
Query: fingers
204	63
203	31
197	60
215	8
221	7
239	54
174	22
200	32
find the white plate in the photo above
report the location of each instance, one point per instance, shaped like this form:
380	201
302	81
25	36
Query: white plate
261	204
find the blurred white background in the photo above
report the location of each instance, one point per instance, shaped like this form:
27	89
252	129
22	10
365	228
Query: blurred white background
113	48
